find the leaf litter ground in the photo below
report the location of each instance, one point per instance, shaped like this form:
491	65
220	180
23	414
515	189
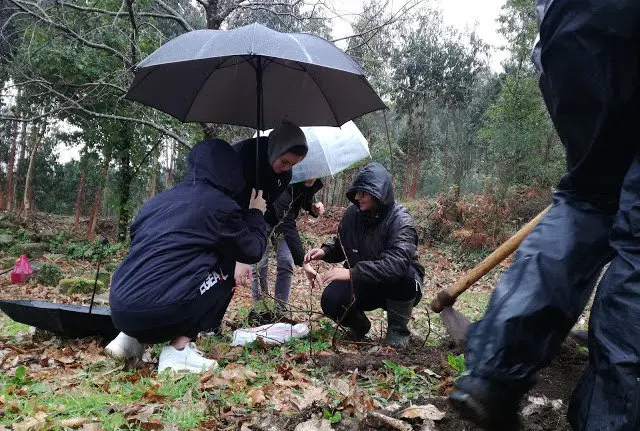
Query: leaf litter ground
319	383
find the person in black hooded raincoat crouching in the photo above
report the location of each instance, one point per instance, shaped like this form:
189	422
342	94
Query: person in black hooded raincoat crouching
378	242
177	279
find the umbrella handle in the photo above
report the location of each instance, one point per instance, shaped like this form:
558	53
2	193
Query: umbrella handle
103	241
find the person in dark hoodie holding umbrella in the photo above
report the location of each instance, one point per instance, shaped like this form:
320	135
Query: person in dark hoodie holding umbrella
381	262
285	147
177	279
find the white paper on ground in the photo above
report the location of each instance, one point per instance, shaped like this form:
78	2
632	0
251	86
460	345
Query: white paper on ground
274	333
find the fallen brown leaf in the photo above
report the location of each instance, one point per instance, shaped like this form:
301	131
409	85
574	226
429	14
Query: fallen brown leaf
139	412
151	426
310	394
73	422
256	396
152	395
314	425
237	372
35	423
392	422
428	411
341	386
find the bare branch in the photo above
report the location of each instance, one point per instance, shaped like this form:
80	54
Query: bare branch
74	105
394	17
172	15
134	32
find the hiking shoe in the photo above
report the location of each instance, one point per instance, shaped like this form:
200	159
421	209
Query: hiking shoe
490	405
189	359
124	347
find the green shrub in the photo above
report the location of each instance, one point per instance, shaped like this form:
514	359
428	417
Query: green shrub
49	274
78	285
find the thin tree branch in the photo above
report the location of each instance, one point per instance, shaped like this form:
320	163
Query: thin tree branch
172	15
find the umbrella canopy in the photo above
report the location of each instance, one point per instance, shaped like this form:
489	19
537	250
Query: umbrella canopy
331	150
69	321
255	77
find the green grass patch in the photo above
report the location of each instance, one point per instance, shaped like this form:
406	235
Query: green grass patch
10	328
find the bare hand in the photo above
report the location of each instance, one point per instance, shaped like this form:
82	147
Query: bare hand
311	273
257	201
314	254
318	208
335	274
242	274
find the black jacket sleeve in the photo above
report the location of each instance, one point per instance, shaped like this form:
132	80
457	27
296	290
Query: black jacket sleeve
307	204
243	235
333	250
309	193
395	260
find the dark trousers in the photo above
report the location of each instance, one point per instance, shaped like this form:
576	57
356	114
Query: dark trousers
202	314
339	296
591	61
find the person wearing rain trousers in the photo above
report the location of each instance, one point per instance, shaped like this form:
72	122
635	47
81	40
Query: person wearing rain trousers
378	242
588	55
177	279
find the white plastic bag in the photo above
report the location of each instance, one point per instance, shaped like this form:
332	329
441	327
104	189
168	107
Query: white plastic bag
274	333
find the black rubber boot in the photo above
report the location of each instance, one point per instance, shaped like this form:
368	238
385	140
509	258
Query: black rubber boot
398	316
357	324
491	405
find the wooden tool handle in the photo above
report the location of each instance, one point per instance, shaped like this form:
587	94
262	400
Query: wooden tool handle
446	297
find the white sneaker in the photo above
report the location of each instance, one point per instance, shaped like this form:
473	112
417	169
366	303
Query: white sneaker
189	359
123	347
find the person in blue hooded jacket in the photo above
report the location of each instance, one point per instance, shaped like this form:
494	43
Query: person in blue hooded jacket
177	279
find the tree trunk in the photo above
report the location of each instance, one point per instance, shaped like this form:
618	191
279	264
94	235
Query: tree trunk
445	158
124	190
154	172
79	199
407	174
170	160
11	191
27	200
2	201
93	220
10	167
124	183
416	174
12	153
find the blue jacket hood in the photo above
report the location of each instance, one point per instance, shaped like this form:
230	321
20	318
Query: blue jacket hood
216	163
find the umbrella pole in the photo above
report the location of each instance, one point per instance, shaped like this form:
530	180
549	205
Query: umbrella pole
259	116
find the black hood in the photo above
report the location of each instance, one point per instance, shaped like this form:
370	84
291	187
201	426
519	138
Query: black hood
216	163
373	179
